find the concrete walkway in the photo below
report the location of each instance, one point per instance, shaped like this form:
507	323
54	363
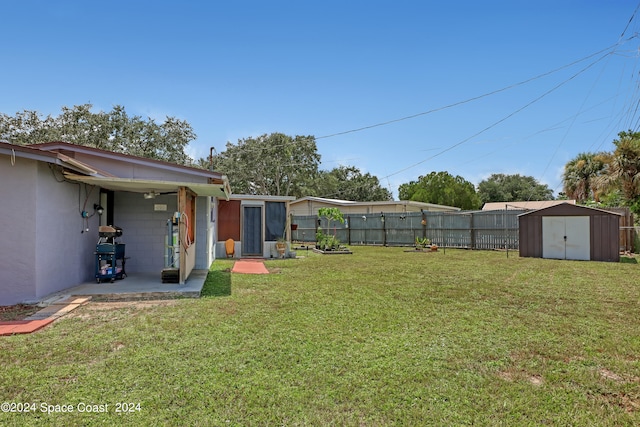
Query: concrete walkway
249	266
43	317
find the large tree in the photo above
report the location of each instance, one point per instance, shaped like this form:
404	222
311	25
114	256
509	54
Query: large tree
623	169
512	188
441	188
581	174
349	183
114	130
275	164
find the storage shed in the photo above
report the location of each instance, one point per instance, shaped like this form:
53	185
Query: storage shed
572	232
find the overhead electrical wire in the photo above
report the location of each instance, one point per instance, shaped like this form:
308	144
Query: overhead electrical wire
608	51
451	147
465	101
475	98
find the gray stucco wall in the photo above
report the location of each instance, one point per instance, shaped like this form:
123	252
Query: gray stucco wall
17	210
64	249
143	229
43	250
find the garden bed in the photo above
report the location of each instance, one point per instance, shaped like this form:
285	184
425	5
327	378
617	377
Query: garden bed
341	251
425	249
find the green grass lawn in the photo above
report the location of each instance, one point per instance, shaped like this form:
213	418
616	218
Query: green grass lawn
380	337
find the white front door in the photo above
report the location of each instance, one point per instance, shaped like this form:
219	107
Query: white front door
566	237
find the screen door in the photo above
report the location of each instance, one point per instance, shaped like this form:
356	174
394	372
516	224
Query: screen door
252	231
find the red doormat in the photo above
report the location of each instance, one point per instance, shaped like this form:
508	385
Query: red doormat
249	266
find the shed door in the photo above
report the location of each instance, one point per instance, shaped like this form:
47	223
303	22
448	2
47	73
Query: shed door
566	237
252	230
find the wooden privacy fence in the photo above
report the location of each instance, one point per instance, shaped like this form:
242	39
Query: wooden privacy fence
471	230
464	229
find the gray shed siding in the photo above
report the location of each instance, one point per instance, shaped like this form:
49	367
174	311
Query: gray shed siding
603	229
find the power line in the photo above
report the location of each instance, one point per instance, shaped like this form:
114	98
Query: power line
455	104
451	147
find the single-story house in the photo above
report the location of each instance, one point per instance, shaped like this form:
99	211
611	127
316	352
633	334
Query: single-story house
52	195
536	204
254	223
568	231
311	205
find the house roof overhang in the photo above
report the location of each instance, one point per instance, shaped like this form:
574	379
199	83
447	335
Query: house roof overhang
219	188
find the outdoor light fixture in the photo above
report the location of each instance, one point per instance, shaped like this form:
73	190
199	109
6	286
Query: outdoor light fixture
381	217
364	218
150	195
98	208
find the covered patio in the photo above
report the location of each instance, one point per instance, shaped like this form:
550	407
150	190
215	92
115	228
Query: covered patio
138	286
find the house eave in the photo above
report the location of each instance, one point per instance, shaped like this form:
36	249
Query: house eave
217	189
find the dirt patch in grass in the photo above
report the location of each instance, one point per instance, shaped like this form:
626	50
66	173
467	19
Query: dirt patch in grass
630	403
17	312
94	306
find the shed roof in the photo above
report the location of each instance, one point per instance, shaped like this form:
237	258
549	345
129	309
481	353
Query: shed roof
563	208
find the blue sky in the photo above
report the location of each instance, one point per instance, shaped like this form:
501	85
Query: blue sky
244	68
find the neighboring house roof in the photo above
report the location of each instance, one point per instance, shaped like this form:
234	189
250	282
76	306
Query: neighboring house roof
83	171
339	202
541	204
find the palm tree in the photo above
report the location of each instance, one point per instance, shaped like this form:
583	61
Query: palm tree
624	167
581	173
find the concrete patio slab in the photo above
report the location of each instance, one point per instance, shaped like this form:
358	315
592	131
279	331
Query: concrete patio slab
135	286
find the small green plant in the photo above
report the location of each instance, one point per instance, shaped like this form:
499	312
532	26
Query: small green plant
422	242
327	241
331	214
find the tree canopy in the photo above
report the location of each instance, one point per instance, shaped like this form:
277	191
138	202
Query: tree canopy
580	176
349	183
275	164
512	188
113	131
607	178
441	188
280	165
